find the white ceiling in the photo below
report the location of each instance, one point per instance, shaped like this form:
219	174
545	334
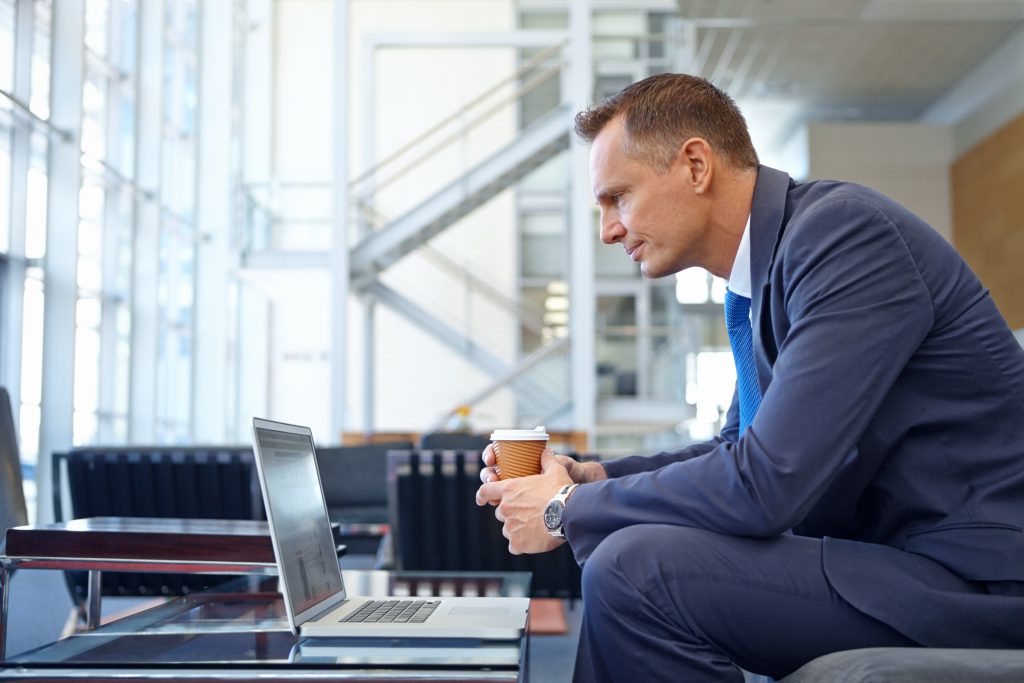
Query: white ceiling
790	61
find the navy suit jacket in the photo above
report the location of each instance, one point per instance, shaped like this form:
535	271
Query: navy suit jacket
891	424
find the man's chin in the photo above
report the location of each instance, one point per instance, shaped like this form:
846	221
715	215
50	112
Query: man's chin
650	272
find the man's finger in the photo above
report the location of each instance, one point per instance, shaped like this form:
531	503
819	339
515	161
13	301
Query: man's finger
488	475
489	493
488	455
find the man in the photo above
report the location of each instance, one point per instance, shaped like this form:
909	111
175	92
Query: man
868	486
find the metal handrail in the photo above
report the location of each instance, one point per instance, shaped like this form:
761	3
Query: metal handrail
441	144
524	68
26	110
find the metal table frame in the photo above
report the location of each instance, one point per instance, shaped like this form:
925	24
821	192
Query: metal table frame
97	565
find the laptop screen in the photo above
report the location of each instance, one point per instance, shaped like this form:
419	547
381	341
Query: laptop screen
306	557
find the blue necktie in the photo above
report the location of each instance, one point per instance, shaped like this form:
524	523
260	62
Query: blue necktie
741	339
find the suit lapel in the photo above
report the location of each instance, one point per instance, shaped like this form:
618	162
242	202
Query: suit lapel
767	211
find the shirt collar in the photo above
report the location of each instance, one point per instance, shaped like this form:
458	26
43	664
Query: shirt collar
739	278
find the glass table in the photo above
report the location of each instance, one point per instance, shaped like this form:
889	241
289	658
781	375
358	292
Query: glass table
239	631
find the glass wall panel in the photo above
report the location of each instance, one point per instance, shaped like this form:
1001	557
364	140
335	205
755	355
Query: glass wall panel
667	370
5	188
39	100
124	17
88	309
7	19
35	201
177	231
96	18
616	348
94	110
31	364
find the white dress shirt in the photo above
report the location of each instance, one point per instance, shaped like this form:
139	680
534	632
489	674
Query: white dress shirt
739	278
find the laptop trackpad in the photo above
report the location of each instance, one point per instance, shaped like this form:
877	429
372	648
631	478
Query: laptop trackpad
479	611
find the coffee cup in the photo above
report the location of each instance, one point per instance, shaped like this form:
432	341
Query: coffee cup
517	451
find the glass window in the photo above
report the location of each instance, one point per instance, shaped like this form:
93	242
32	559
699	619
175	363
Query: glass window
5	189
124	135
31	364
710	381
657	26
178	189
39	99
693	286
103	320
94	119
553	20
7	18
87	379
174	357
125	16
666	371
616	348
35	203
616	34
96	15
114	320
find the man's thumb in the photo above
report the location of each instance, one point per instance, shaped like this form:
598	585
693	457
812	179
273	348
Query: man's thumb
548	460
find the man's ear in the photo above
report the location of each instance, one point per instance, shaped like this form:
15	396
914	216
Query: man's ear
697	161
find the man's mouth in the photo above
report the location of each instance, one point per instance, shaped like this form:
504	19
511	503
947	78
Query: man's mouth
633	252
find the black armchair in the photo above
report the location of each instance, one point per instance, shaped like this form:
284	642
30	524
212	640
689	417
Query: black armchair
437	525
139	481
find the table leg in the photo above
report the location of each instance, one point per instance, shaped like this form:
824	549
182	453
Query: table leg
92	602
5	576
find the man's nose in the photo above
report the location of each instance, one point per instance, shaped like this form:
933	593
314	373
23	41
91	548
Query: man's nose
612	230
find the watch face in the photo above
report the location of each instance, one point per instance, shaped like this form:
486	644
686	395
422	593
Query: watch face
553	515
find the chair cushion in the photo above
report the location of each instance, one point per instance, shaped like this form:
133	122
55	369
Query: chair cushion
913	665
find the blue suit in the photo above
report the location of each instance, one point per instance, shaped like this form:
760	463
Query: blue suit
890	441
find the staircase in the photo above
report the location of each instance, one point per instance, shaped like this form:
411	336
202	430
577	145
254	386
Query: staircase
538	143
388	240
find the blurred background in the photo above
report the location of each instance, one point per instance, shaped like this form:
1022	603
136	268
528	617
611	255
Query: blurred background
370	216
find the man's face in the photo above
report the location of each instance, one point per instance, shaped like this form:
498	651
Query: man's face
655	216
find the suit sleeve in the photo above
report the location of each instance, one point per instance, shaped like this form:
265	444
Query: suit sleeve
858	310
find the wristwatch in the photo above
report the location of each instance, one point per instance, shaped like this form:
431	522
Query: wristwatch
555	508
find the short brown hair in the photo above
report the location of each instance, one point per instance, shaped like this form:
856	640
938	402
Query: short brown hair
661	112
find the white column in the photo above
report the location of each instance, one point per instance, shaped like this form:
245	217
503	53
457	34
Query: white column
368	132
213	223
145	251
369	364
339	228
581	230
61	262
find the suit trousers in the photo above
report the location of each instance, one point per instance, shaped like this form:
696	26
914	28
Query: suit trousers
671	603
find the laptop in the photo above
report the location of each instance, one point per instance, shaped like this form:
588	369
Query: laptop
307	562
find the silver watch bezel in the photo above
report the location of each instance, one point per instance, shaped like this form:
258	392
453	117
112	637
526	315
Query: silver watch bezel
554	510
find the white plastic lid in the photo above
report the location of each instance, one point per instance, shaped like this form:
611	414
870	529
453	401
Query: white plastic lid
535	434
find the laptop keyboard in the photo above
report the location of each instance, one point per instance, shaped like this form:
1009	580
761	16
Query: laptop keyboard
393	611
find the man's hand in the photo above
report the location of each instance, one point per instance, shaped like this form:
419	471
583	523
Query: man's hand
579	472
520	504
